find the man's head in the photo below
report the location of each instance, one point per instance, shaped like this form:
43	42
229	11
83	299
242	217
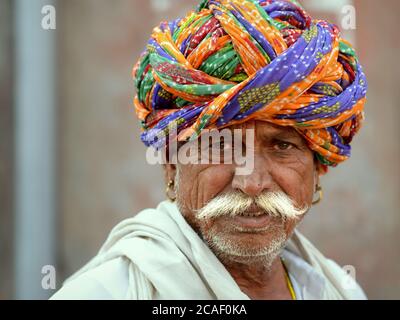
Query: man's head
249	217
260	64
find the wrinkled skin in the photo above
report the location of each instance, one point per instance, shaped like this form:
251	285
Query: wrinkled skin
282	162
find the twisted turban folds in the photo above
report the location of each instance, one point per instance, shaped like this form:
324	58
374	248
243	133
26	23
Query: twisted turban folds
236	60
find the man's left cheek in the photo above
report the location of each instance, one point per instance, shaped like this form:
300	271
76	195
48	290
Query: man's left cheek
215	180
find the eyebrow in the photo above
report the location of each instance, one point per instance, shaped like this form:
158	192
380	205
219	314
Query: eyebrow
281	134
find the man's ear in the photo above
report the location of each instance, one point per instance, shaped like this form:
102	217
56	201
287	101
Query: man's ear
318	171
169	172
316	177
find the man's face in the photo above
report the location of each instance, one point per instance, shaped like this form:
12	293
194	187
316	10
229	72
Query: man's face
282	163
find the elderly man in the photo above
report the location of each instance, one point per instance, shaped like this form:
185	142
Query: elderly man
296	89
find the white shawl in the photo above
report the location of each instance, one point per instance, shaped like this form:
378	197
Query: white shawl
164	258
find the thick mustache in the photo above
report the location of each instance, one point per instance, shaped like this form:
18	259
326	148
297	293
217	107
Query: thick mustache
276	204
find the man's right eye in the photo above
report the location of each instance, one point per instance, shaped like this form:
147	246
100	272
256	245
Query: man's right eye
283	145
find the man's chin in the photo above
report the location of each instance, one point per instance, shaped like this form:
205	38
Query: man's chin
249	255
243	246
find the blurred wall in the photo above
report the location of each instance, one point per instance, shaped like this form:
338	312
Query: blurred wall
103	175
359	219
6	150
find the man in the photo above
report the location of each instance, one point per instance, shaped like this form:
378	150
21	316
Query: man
296	89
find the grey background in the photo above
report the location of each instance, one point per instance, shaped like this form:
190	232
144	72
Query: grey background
102	176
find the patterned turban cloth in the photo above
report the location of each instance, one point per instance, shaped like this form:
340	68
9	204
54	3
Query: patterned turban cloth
235	60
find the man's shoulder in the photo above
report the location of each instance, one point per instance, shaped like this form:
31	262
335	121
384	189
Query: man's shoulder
347	278
109	280
306	258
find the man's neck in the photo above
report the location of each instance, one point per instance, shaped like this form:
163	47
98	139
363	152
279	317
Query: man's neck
258	280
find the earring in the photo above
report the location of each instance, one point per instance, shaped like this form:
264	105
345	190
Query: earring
320	194
168	190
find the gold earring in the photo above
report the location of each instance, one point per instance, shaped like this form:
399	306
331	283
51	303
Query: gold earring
168	189
320	194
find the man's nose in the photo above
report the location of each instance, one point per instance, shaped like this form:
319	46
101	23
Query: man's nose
258	180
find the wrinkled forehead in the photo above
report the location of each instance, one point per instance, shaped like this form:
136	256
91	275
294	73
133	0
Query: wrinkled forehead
249	134
265	130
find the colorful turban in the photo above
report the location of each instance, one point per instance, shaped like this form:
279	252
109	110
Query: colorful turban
236	60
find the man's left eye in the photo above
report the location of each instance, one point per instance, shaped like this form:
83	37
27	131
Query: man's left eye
282	145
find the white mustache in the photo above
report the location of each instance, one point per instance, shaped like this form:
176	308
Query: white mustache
276	204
